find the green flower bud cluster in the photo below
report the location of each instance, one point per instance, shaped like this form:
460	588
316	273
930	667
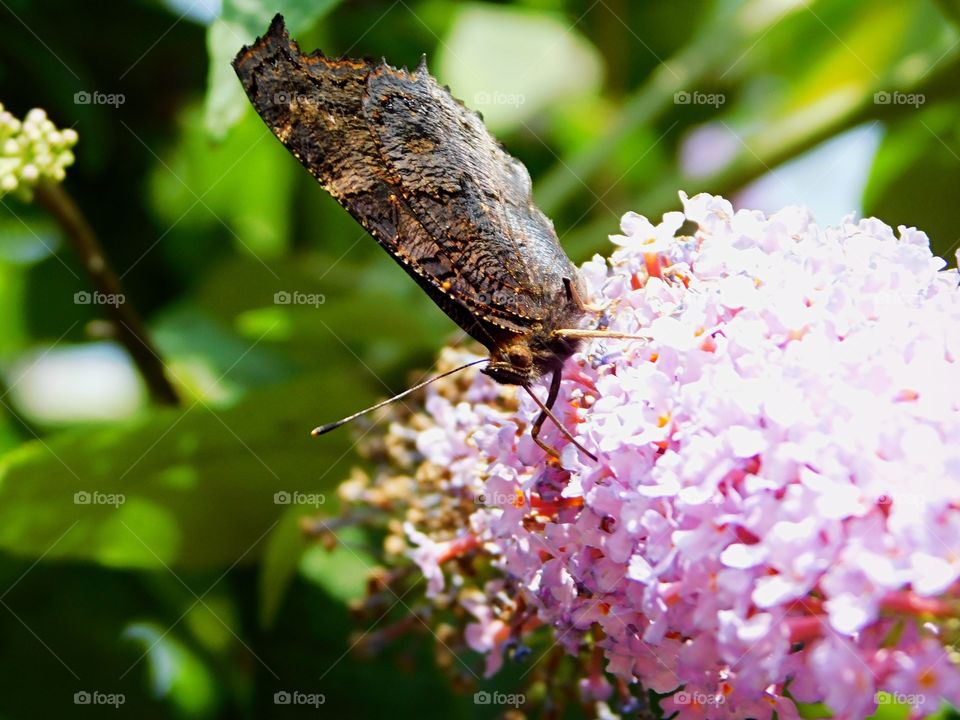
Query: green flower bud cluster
31	151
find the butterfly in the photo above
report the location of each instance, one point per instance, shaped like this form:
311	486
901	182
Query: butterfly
422	174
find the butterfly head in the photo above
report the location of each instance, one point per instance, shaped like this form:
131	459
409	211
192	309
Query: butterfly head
512	364
526	358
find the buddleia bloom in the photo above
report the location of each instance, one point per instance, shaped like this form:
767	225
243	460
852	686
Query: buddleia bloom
773	518
32	150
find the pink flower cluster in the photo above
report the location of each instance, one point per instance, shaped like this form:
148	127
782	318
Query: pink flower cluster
774	516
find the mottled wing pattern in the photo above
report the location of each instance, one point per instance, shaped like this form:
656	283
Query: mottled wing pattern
469	193
314	105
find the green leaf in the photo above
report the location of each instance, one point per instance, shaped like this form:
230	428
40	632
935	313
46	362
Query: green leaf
240	22
951	10
373	308
191	487
177	674
917	159
831	88
202	187
26	235
341	572
285	547
512	64
13	319
813	711
211	360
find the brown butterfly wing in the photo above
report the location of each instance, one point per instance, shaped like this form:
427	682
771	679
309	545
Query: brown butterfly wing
422	174
314	105
468	192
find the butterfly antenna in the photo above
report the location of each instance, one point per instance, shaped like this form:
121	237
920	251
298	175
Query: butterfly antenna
323	429
603	334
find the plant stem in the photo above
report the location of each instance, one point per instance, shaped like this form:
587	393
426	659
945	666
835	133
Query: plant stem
128	327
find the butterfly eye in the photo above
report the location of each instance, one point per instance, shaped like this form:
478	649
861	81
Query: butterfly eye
520	357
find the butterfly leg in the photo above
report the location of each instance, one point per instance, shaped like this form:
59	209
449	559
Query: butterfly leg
574	295
545	411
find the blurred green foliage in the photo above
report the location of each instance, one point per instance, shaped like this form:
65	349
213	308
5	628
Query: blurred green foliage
197	596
